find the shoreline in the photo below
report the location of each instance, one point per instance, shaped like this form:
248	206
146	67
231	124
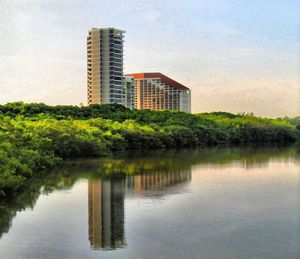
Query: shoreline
34	137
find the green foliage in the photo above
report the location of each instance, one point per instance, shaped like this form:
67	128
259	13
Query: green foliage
36	136
22	152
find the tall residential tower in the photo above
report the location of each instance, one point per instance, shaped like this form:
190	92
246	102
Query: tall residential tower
105	66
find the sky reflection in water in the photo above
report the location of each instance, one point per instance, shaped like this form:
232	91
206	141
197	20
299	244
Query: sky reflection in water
206	203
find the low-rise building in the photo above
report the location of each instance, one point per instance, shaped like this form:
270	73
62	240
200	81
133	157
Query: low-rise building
156	91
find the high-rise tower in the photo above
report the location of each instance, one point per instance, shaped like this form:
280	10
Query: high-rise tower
105	66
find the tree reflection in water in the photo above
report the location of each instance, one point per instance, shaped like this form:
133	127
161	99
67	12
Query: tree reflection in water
111	179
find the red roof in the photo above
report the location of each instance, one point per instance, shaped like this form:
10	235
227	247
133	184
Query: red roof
163	78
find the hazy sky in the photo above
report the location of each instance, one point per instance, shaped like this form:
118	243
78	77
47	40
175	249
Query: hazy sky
235	55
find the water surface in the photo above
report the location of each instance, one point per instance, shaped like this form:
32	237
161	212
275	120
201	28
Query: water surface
205	203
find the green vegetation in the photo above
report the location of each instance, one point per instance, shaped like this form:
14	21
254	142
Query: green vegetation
34	137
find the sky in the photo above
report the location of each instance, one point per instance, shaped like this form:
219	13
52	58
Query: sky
235	55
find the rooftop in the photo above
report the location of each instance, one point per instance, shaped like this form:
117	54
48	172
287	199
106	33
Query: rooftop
167	80
108	28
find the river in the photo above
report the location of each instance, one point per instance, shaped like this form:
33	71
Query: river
200	203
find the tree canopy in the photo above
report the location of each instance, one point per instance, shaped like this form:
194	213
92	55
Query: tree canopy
34	137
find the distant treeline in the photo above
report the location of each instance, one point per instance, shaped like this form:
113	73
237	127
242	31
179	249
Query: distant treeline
36	136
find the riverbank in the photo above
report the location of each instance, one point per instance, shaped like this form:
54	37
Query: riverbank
34	137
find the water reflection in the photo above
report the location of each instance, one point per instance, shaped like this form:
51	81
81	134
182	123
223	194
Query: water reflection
150	175
106	203
156	184
106	213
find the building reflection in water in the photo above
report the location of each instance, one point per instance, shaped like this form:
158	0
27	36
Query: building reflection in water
150	184
106	213
106	203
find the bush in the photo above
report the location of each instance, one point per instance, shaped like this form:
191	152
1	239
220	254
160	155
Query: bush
36	136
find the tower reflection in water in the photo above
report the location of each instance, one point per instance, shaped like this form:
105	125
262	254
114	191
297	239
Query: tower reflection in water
106	213
106	203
